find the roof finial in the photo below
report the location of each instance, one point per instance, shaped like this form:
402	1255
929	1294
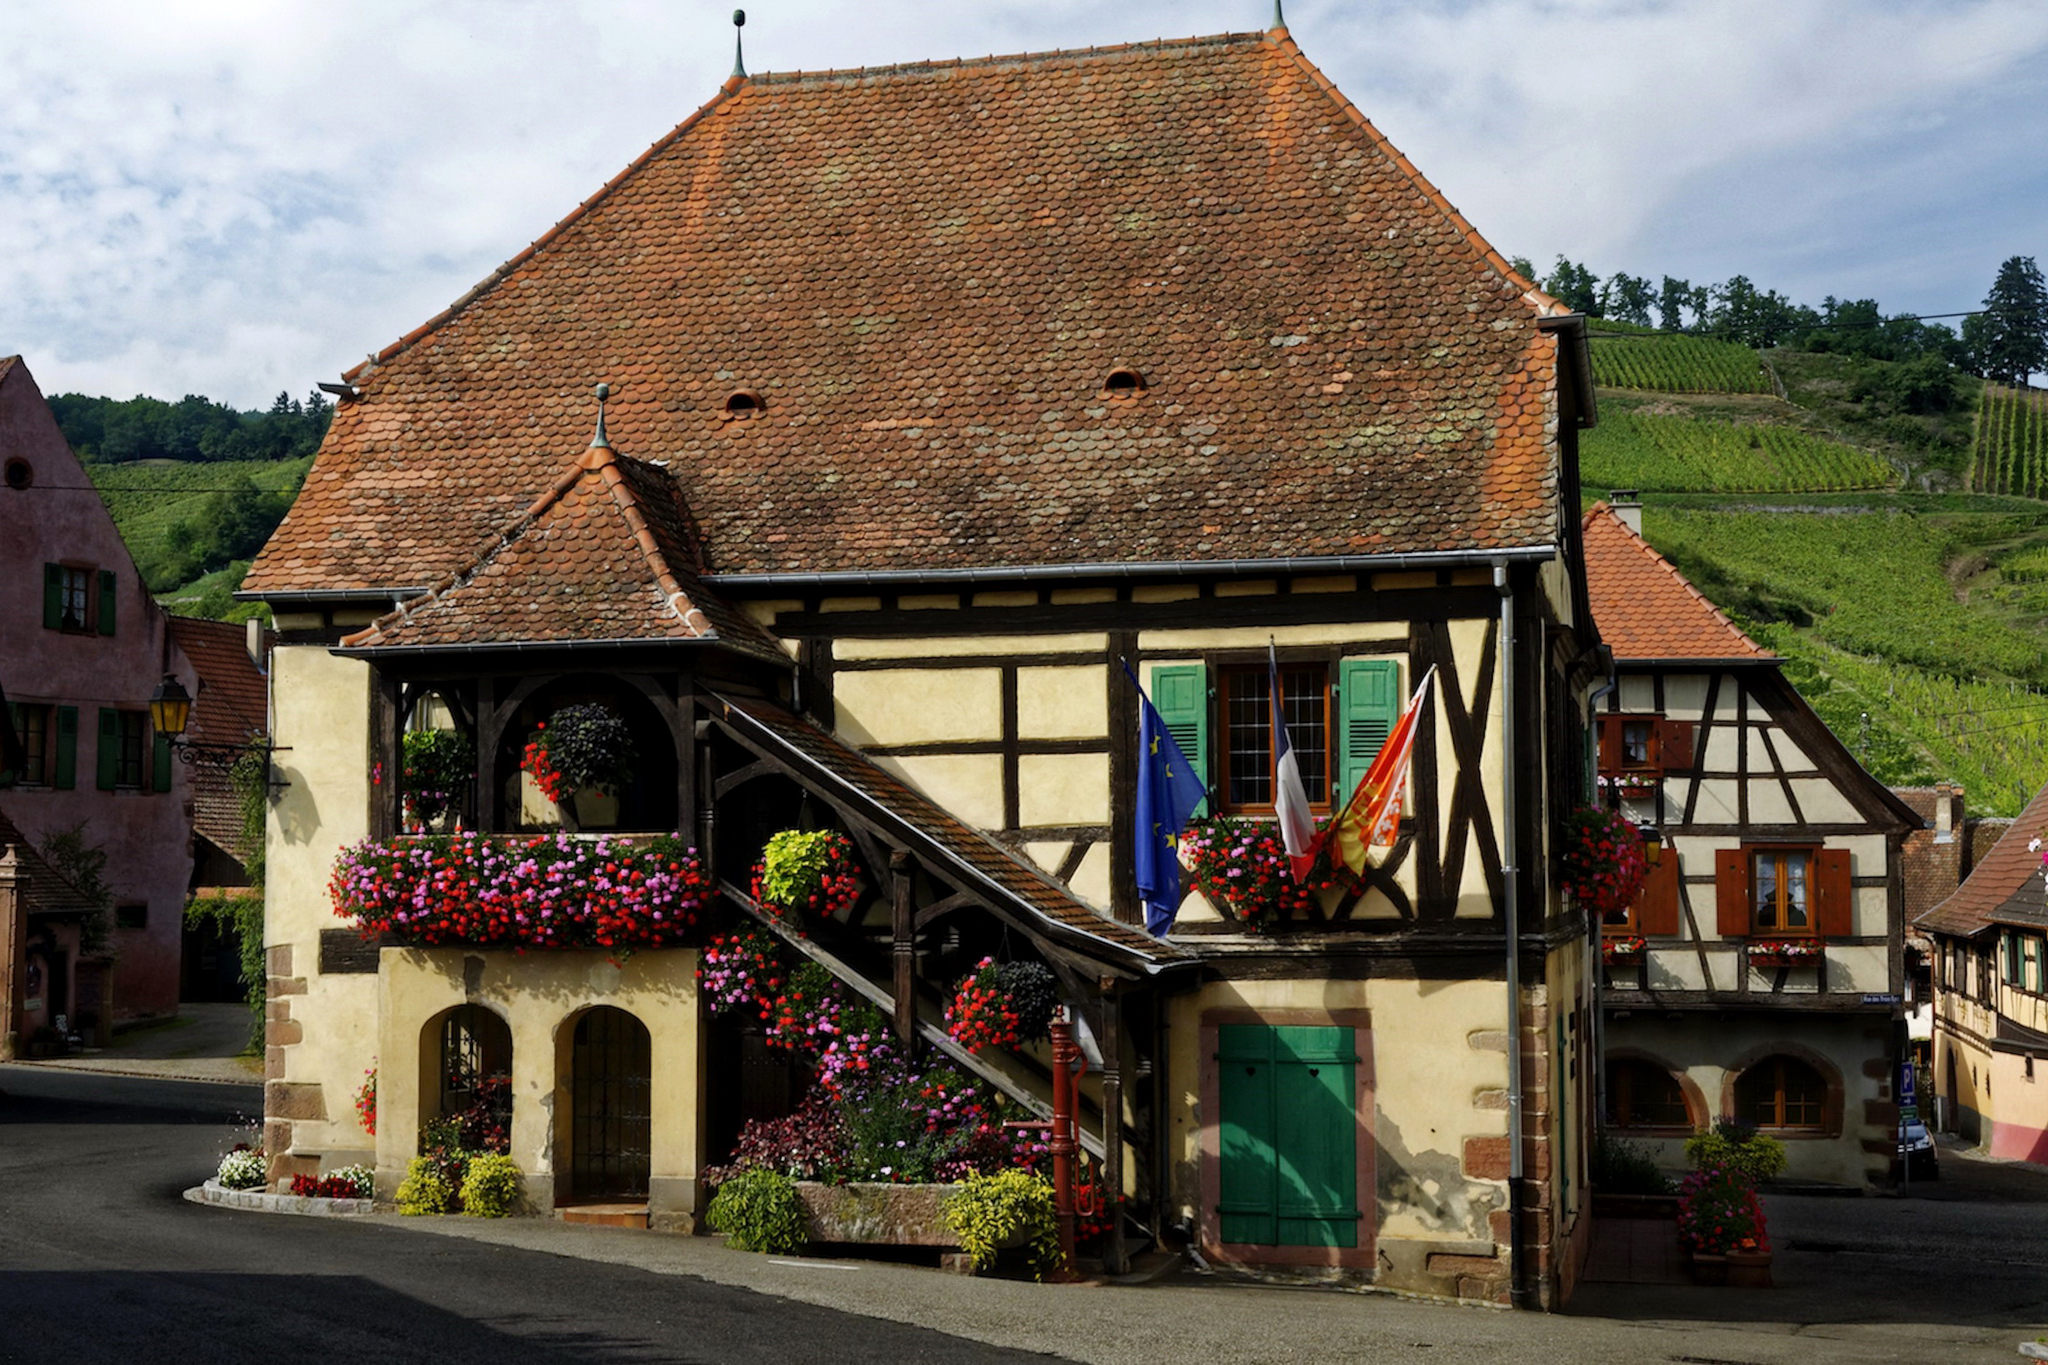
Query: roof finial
739	56
602	438
1279	19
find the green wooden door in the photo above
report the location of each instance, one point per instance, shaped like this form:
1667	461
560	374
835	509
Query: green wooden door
1288	1136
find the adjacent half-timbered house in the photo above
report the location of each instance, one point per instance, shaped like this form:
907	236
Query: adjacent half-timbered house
1991	996
1758	975
940	394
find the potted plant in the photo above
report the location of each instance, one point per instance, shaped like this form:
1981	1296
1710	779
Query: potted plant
1784	952
1721	1223
438	767
807	872
1002	1004
580	758
1602	859
1241	867
1623	949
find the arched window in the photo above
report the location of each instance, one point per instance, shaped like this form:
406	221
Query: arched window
1644	1095
474	1081
1782	1092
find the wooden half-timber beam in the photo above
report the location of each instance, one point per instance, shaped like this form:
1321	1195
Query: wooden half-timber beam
902	947
882	1000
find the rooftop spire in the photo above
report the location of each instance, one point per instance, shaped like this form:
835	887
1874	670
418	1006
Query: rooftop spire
602	439
739	56
1279	19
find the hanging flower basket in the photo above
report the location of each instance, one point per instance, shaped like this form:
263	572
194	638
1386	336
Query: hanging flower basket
1241	866
1001	1005
1784	952
807	873
438	765
1603	862
742	969
1624	951
579	746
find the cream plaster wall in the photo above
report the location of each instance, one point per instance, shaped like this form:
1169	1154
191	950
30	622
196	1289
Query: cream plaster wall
966	646
968	785
919	706
1062	789
1063	703
1255	637
540	996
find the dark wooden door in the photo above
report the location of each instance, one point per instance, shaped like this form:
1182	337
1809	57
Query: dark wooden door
610	1084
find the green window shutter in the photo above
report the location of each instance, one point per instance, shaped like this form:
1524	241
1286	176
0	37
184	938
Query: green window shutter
160	762
1368	704
107	590
53	597
1288	1134
1180	693
67	748
110	749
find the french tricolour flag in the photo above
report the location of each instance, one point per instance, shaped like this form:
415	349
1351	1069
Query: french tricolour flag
1290	799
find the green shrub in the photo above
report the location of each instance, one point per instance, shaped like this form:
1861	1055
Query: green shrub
492	1186
1622	1167
760	1211
424	1189
1010	1208
1737	1146
438	765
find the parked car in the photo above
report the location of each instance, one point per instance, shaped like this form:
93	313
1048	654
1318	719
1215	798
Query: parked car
1916	1153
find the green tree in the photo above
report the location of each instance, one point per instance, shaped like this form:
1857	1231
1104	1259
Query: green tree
2009	339
1574	286
1628	299
1523	266
1672	300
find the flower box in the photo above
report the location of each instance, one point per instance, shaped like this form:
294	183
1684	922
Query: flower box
1791	952
1625	951
878	1213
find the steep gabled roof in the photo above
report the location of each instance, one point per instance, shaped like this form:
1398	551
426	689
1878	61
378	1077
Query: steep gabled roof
1646	609
47	891
602	556
2006	886
926	273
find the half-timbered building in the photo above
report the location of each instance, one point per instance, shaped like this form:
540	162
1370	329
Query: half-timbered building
940	394
1990	973
1758	975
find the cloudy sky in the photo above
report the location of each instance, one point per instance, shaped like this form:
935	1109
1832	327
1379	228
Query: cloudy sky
232	197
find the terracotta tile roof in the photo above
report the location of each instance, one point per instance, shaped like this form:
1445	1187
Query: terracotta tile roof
603	555
48	893
926	273
1645	608
2006	886
6	364
232	704
1930	870
1022	883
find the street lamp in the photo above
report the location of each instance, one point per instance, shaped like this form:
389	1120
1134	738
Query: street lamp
170	707
1653	843
170	711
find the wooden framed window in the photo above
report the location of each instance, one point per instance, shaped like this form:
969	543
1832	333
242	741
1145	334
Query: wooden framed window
36	727
78	599
1782	1092
1338	715
1644	746
1642	1094
1783	891
123	739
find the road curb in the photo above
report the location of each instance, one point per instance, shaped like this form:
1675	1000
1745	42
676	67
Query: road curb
256	1201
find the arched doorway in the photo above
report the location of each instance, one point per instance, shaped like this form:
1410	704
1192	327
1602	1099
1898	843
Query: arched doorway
610	1068
468	1056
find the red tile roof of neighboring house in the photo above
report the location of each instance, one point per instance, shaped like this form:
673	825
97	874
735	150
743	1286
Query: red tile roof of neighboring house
47	891
1645	608
232	704
926	274
2006	887
603	555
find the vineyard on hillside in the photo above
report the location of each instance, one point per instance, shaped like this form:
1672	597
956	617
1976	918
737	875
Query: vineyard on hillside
2010	454
1867	583
1671	363
1676	454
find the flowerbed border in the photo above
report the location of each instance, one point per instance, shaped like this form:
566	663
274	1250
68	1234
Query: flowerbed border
257	1201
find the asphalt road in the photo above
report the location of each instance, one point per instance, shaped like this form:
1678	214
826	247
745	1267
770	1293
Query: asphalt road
101	1260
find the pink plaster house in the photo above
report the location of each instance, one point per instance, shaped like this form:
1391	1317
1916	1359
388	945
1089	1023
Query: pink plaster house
78	661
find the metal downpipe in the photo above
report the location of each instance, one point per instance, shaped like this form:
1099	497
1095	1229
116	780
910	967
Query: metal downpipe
1512	916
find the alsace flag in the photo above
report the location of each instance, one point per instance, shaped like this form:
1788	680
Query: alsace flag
1168	792
1365	828
1290	799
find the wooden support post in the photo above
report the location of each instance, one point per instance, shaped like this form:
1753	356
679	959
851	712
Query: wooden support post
902	933
13	952
707	812
387	757
1060	1142
1114	1259
486	733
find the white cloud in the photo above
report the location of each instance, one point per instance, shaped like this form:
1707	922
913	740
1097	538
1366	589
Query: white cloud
238	198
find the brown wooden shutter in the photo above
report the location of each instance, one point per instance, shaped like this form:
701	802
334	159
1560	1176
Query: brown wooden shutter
1731	892
1657	904
1834	894
1610	744
1674	745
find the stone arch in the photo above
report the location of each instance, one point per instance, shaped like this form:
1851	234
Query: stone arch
1833	1090
1697	1115
603	1106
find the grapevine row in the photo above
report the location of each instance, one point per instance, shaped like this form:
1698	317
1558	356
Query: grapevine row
1677	364
1671	454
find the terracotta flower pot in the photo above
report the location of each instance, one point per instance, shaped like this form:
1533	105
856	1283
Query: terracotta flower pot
1709	1268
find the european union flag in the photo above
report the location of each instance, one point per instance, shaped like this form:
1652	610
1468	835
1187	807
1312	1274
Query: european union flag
1168	792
